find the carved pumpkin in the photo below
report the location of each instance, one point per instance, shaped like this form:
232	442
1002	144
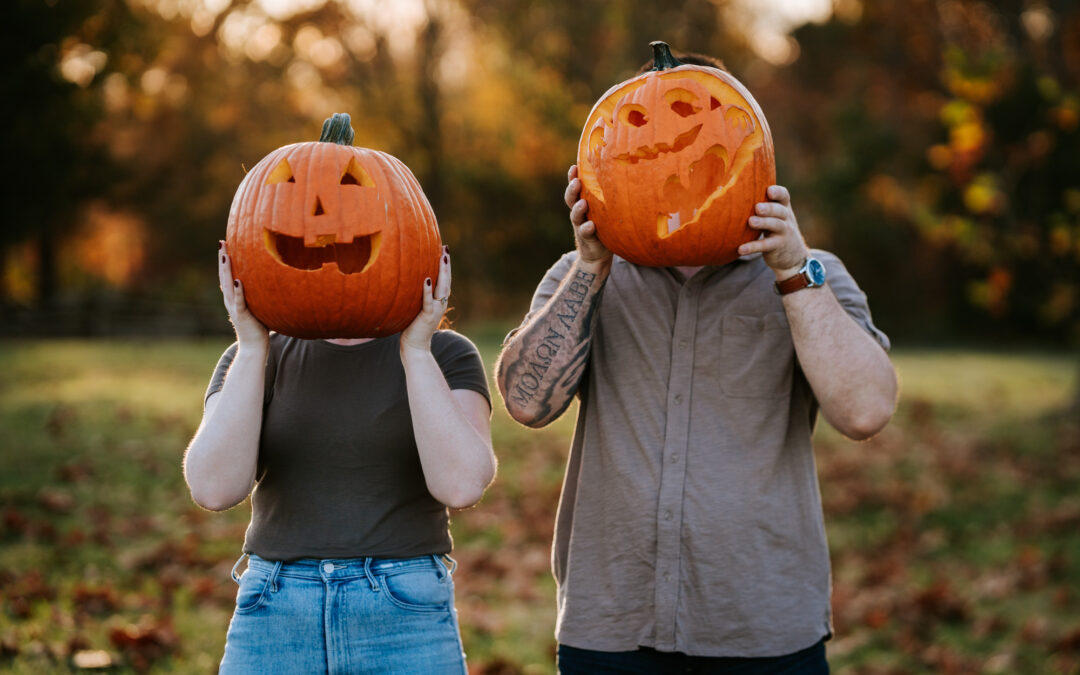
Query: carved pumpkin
672	162
332	240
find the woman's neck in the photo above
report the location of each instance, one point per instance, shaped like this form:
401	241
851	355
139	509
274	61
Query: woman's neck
346	342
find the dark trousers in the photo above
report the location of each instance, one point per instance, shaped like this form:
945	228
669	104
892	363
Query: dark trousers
646	661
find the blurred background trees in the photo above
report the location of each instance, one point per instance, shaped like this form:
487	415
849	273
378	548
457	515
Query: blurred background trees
934	145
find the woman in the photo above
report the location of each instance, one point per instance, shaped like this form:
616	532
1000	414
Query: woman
352	450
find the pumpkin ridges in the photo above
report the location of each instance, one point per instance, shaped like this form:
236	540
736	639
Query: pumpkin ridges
747	170
377	300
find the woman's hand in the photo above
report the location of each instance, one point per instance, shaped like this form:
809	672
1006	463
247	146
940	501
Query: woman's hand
418	335
248	329
782	246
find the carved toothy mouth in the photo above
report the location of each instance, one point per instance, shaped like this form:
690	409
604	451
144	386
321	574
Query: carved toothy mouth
350	257
682	141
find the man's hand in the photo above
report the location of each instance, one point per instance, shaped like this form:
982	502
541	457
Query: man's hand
590	250
782	246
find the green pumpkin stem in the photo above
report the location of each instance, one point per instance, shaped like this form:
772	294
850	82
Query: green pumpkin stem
336	129
662	58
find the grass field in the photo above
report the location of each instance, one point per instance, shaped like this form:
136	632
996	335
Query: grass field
955	533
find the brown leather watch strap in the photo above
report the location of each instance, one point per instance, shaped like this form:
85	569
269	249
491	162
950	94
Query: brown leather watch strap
792	284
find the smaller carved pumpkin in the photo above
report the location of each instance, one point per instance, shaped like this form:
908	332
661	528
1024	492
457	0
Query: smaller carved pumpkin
332	240
672	162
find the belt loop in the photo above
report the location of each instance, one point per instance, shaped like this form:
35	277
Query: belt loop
233	574
274	575
453	564
370	575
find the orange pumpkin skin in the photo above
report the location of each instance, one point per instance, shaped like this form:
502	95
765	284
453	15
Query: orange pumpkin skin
332	241
672	163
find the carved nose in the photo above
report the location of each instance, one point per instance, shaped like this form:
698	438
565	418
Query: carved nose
318	210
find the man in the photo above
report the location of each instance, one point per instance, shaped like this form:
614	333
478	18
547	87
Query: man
690	536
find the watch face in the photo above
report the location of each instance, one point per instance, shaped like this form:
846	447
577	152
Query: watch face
816	271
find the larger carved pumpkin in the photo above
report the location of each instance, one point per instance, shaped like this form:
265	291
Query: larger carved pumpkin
672	162
332	240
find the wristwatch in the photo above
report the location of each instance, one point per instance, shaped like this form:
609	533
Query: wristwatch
810	275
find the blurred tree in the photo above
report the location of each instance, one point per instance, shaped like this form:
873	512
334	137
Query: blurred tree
51	71
944	155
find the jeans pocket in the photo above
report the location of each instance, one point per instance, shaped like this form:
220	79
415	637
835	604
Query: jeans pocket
423	590
254	585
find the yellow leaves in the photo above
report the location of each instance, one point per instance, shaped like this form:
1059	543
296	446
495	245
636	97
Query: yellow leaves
1060	303
992	293
980	90
967	136
982	196
887	193
1066	115
939	156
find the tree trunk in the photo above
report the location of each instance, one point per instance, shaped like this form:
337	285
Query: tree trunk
46	272
430	133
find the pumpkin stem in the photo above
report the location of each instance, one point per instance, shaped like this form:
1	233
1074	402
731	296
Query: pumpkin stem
662	58
336	129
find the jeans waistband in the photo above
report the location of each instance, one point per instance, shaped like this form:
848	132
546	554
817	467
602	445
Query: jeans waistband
346	568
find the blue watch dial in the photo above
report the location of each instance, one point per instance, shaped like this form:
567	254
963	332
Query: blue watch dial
815	271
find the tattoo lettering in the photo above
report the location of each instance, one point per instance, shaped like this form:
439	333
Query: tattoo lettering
526	379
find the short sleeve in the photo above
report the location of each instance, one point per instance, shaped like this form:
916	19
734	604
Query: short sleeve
460	362
547	289
217	380
850	296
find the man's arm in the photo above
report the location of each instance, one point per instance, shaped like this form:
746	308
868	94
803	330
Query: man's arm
541	365
850	373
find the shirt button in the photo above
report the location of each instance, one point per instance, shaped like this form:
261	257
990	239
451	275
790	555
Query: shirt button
328	567
678	398
682	344
667	576
667	515
674	459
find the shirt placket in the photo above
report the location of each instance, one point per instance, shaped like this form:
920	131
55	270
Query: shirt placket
673	473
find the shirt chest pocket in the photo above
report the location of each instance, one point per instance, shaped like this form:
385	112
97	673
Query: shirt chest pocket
756	356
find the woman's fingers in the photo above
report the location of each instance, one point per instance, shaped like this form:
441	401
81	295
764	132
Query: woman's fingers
442	288
225	277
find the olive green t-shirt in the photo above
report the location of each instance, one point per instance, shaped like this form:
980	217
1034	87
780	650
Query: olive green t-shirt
339	473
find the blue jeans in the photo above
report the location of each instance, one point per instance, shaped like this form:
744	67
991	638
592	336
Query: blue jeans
646	661
356	615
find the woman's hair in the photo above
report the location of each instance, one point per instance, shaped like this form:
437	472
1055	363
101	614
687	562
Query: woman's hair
690	59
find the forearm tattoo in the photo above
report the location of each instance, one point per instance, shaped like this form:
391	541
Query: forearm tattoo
545	371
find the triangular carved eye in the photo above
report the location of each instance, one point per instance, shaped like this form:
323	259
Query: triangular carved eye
282	173
356	175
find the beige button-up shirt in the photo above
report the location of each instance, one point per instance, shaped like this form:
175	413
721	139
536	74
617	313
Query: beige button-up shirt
690	518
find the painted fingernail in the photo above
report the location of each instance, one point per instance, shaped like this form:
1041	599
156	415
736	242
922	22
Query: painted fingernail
223	260
427	282
446	260
236	283
446	248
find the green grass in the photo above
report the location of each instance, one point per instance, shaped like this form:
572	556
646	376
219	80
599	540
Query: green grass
955	533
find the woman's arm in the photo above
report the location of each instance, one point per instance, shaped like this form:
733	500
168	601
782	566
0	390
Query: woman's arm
541	366
452	428
220	462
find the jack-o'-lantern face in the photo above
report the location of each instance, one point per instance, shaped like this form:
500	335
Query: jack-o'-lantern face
332	240
672	163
